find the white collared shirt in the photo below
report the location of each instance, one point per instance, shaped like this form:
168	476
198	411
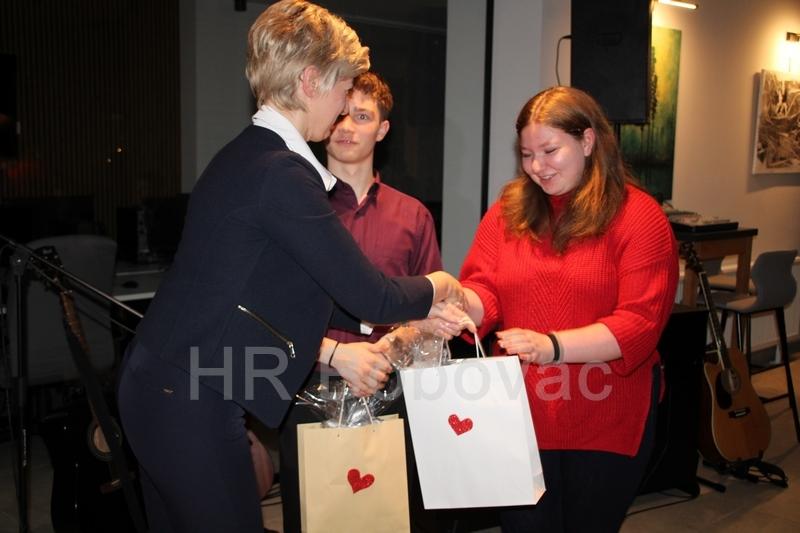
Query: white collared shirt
270	118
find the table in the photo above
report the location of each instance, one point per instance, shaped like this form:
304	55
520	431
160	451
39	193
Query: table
135	285
717	245
137	282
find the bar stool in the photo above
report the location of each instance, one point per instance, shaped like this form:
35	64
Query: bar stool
722	281
775	288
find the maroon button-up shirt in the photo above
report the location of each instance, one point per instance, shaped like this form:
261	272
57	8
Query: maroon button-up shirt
394	230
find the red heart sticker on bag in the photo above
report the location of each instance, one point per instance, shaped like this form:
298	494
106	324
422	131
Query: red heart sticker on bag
357	481
458	425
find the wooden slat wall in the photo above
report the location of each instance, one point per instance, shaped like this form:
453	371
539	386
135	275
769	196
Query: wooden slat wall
98	101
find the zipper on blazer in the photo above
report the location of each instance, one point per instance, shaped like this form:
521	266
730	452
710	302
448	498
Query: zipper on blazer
267	325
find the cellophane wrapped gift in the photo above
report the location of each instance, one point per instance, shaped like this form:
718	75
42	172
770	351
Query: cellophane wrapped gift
353	478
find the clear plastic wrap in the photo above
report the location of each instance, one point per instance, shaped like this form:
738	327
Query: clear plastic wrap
411	347
408	347
339	408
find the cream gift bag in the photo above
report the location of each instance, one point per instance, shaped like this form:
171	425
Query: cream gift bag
473	434
353	478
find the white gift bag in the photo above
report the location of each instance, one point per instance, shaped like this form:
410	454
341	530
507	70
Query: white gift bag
473	434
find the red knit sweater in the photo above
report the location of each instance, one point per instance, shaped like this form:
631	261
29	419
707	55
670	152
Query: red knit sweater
625	279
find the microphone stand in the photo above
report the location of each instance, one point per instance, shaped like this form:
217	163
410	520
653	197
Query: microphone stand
20	262
20	383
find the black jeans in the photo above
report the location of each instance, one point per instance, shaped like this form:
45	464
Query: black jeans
194	455
586	490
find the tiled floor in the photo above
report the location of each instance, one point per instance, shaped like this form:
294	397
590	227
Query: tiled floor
744	506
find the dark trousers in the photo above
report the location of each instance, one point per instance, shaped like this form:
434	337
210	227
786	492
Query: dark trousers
586	490
194	455
422	521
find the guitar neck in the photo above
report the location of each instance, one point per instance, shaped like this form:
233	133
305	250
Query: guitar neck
72	321
716	328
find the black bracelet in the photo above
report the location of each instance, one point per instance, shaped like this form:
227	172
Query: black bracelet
333	352
556	348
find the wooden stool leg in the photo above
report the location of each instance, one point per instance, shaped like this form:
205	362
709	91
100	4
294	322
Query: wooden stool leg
781	319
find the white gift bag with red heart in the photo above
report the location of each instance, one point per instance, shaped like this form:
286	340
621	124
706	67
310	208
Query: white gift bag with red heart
353	478
473	434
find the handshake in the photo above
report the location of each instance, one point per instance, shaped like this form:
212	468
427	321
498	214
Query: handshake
366	366
449	313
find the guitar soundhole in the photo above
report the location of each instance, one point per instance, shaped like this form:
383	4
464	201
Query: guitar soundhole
97	442
731	381
723	397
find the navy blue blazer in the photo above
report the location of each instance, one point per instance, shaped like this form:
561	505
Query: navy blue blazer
261	234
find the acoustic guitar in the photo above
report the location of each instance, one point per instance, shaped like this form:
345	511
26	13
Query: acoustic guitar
86	493
734	426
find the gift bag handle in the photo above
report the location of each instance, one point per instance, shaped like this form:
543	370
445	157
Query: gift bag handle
341	406
363	400
479	351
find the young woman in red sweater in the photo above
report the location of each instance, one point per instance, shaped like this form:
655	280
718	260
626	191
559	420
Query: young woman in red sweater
576	268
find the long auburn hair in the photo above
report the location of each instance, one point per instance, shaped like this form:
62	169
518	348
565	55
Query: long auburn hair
601	190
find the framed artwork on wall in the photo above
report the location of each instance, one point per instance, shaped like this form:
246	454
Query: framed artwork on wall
777	136
650	148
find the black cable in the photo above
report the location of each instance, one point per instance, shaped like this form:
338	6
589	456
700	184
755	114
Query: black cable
682	499
558	49
487	105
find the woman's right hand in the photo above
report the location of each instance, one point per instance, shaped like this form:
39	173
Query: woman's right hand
363	366
445	320
447	289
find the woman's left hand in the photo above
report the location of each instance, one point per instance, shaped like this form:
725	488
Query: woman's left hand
530	346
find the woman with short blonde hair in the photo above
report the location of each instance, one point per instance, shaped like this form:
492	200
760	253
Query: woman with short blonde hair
290	36
263	269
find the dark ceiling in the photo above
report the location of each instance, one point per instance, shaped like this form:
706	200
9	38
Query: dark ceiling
425	15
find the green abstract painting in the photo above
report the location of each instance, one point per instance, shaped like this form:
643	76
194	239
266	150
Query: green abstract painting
649	148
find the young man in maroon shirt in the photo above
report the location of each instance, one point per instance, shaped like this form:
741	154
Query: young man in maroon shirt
396	232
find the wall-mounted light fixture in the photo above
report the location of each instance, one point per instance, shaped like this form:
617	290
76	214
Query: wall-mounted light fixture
792	51
677	3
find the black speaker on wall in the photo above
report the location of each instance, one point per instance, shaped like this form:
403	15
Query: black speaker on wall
610	56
